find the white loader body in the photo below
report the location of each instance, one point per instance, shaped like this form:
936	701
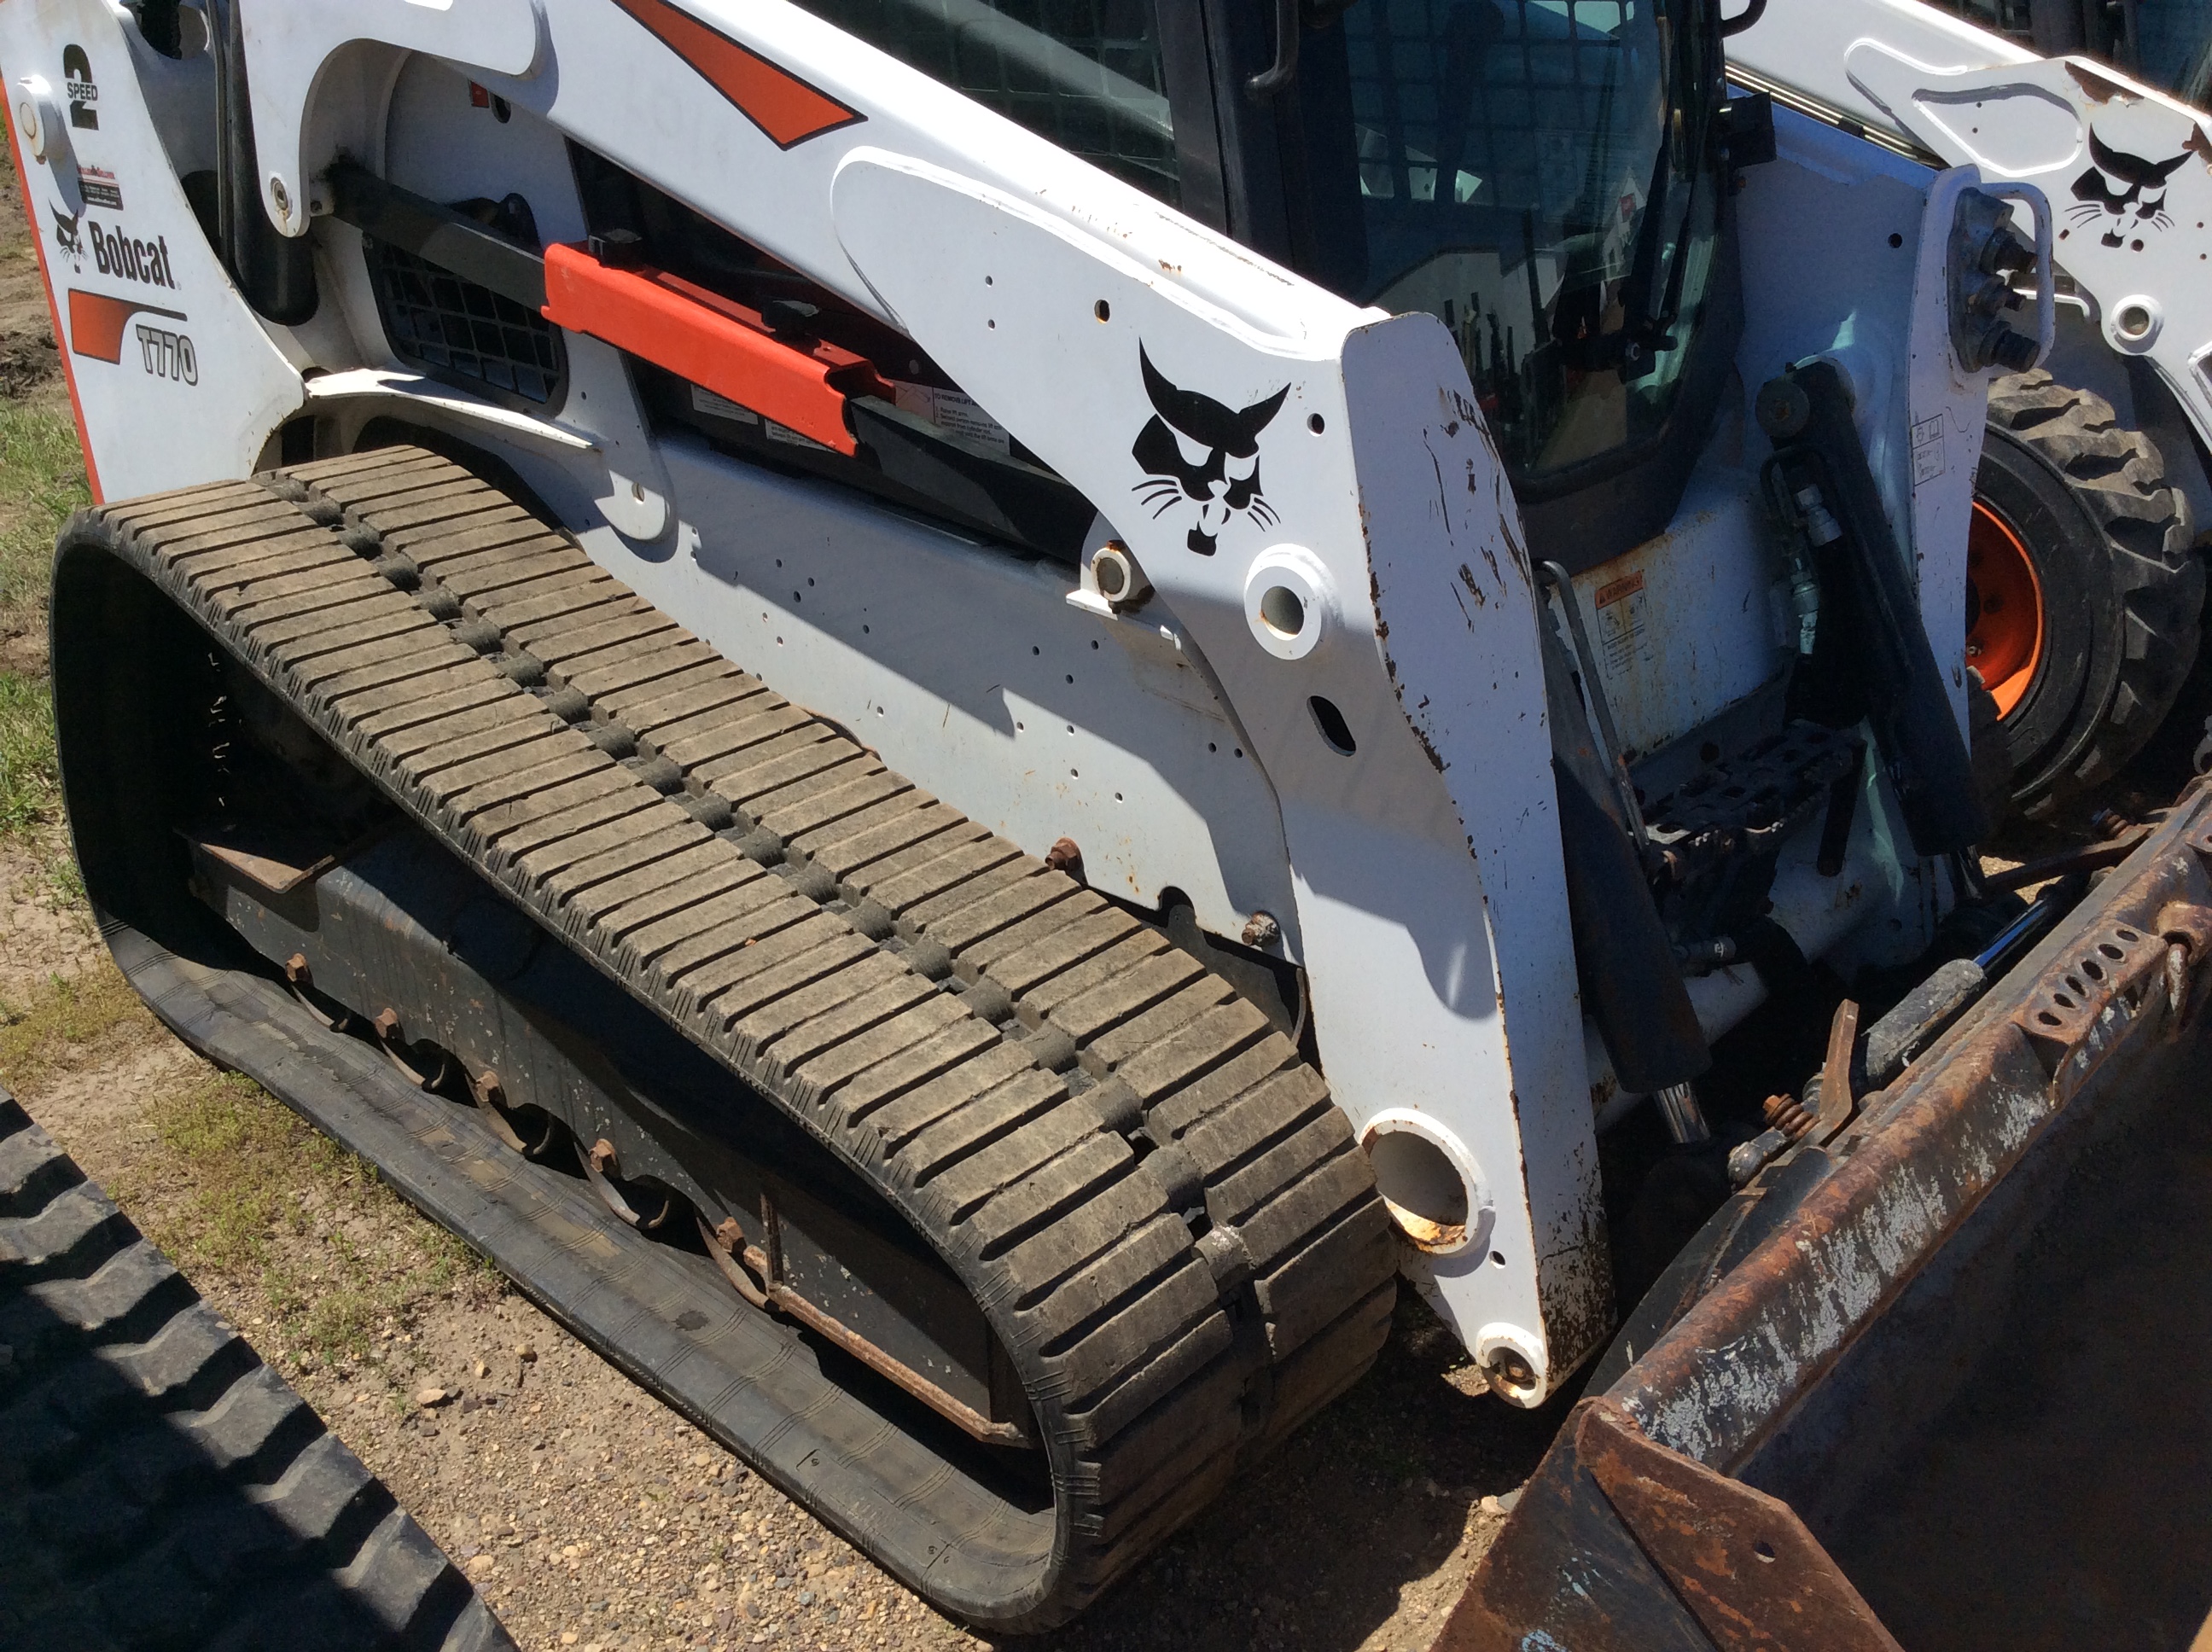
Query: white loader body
1327	731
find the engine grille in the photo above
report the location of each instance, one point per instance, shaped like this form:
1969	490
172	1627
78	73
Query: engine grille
467	334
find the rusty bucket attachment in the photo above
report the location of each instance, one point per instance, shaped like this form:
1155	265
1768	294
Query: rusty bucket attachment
1948	1392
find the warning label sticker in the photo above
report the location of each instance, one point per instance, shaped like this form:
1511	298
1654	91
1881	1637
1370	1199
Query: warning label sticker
1929	460
1623	612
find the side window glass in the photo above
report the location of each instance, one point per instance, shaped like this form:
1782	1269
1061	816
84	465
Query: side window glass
1086	74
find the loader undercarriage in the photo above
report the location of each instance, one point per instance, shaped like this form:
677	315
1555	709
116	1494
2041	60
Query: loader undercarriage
1052	1203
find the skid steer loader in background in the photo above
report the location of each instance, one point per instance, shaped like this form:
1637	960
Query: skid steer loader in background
958	717
2087	571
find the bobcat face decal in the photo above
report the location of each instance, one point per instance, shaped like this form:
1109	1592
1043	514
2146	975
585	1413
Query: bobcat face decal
68	236
1197	452
2123	192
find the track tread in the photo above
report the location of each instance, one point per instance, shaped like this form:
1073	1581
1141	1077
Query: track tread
1067	1236
159	1485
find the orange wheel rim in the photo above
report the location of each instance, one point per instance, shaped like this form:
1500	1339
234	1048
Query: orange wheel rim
2004	610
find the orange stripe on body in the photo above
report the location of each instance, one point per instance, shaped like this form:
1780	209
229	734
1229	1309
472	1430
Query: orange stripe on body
97	321
777	101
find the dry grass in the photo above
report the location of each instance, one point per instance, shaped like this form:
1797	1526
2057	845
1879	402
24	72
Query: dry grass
69	1022
41	482
30	777
241	1191
237	1187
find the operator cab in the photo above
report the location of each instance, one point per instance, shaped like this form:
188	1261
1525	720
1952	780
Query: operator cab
1545	177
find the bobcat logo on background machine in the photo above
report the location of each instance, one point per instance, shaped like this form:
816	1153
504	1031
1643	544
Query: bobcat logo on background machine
1196	451
2125	188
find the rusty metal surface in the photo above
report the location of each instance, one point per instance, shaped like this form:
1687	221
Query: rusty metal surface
1921	1155
1567	1573
1837	1101
1629	1535
1741	1561
1621	1545
2095	858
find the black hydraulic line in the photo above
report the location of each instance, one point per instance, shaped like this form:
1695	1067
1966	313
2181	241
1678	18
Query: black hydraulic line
1632	982
1873	647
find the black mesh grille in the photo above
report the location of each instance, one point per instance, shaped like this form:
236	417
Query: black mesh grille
457	331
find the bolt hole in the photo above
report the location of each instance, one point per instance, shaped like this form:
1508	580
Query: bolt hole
2047	1018
1102	310
1498	1258
2074	984
2134	321
2091	968
1763	1549
1896	240
1333	729
2109	950
2062	1000
1316	423
2127	934
1285	615
1422	1188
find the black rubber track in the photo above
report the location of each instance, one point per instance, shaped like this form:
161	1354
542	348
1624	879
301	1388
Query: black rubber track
1056	1127
160	1486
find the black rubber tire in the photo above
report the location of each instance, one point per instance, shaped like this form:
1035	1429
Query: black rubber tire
160	1486
2123	589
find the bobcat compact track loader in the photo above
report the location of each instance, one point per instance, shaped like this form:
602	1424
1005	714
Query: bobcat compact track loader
2086	571
958	717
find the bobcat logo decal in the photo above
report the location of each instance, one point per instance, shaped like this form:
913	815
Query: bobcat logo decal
1197	452
2122	192
68	237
